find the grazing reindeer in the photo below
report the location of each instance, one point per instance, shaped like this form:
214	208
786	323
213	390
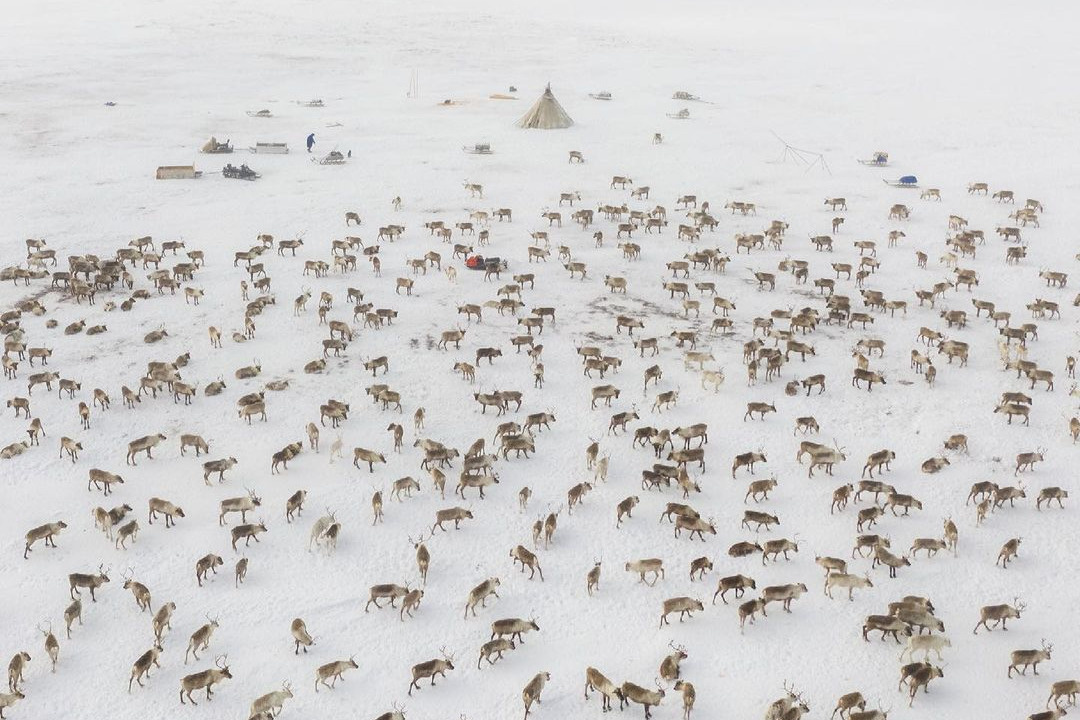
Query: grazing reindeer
300	634
597	681
648	699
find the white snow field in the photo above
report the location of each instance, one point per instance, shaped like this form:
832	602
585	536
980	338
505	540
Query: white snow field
956	92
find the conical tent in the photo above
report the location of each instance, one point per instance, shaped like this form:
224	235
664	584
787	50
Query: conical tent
545	114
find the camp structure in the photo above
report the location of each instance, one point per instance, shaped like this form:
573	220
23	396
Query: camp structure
177	172
271	148
479	149
602	95
213	147
545	114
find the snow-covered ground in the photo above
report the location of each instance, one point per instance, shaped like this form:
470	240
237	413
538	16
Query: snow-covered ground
956	92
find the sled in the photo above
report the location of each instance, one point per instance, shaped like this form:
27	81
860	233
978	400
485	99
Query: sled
907	181
332	158
259	113
479	262
879	159
310	103
239	173
479	149
600	95
683	95
271	148
177	172
213	147
683	114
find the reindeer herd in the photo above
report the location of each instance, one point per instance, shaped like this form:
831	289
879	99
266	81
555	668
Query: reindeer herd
783	351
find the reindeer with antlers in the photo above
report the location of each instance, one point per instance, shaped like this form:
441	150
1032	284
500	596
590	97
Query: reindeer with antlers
205	679
1023	659
200	639
431	669
52	646
792	706
271	703
333	671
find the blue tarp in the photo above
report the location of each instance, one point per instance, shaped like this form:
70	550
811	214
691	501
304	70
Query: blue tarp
908	180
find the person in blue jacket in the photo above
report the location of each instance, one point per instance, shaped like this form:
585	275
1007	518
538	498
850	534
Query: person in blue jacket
310	141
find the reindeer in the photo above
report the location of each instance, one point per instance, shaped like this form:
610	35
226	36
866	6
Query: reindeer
301	637
597	681
205	679
272	701
1000	614
1063	688
15	671
1022	659
141	667
1009	551
90	581
531	693
147	444
1027	460
431	669
46	532
920	678
52	646
631	693
206	564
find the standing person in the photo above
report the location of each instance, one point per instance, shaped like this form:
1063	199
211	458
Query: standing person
310	141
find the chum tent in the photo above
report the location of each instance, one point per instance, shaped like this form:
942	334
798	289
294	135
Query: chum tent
545	114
